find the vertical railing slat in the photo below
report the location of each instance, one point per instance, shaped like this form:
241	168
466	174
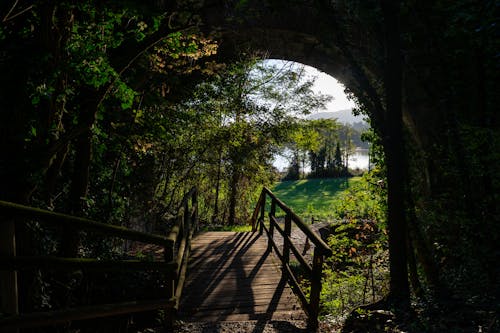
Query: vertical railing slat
262	209
271	224
195	216
317	268
8	279
286	245
320	250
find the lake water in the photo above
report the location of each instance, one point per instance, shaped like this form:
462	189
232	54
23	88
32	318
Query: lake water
358	160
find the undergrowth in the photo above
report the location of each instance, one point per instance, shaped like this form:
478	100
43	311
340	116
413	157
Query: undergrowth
357	272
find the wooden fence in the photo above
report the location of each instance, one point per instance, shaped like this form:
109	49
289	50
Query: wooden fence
314	271
176	246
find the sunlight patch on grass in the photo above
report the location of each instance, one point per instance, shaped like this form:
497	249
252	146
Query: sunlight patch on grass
312	197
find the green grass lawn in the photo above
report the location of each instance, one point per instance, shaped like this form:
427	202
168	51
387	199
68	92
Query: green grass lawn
312	197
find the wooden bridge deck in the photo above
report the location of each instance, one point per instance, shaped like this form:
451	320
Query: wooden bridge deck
231	277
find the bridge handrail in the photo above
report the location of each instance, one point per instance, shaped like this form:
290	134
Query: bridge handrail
176	252
81	223
321	250
313	237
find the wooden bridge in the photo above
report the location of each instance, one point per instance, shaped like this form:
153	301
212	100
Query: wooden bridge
233	277
217	276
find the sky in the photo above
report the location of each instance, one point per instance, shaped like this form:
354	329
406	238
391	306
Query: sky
325	84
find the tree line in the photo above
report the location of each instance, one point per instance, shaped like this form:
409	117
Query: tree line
323	147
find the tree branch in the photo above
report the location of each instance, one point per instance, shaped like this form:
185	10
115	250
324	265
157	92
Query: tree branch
8	17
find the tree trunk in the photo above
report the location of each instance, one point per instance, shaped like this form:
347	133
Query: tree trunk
395	157
422	251
90	100
78	192
232	197
215	216
412	266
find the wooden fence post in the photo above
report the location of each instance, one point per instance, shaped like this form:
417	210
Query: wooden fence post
317	268
272	214
187	218
288	232
262	209
8	279
194	204
169	251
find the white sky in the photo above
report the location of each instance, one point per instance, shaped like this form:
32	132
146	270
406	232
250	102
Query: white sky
325	84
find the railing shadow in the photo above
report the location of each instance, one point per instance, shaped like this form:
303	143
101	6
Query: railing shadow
219	271
228	288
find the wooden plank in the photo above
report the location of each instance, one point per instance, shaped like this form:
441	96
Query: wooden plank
248	273
259	291
51	318
245	307
233	274
59	219
260	316
249	299
249	287
242	306
227	254
267	275
208	259
21	263
269	309
260	276
8	279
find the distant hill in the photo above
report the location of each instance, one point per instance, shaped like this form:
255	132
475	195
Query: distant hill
342	116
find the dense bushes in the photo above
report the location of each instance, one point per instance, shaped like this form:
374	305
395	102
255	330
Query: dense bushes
357	272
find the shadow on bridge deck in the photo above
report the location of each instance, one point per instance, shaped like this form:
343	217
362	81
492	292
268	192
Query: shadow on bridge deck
232	277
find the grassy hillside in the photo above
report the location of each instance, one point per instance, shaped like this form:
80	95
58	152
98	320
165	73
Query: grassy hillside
312	197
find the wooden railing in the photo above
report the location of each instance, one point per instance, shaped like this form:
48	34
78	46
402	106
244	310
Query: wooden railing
314	271
176	246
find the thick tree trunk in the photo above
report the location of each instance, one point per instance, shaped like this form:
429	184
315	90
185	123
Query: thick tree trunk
395	157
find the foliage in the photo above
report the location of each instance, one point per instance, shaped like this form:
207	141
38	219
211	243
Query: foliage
357	272
364	200
74	125
324	146
248	109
